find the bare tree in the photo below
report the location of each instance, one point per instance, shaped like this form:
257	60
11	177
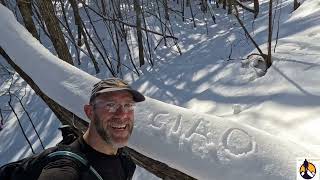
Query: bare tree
77	19
270	31
137	9
47	12
204	6
26	13
248	34
86	42
296	4
256	8
182	9
147	37
161	24
1	120
166	9
82	32
192	15
19	122
188	3
103	6
67	27
3	2
230	4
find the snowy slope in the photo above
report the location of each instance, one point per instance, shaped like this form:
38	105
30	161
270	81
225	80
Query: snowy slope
198	144
285	102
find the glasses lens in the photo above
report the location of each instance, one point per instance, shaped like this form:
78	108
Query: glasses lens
113	107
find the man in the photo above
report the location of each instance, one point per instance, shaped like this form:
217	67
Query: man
111	111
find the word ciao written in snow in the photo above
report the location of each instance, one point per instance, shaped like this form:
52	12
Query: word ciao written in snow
199	138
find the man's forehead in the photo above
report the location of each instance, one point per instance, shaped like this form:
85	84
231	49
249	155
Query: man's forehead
116	95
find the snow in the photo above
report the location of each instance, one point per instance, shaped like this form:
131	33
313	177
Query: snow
212	144
258	125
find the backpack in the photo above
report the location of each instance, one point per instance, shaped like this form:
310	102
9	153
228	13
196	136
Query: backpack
31	167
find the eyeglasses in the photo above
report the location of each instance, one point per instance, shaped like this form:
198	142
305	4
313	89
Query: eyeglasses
113	107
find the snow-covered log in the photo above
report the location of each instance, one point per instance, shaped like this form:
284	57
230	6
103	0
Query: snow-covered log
79	126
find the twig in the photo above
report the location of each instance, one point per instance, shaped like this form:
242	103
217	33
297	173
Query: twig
69	31
28	115
14	112
1	120
125	23
246	31
244	7
278	30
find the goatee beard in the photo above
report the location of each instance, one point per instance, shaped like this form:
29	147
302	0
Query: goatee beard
105	135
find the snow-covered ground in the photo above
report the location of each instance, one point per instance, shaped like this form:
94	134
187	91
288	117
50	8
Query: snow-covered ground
257	127
285	102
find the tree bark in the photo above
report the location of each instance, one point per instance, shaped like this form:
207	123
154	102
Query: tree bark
161	24
139	31
1	120
256	8
87	44
26	13
77	19
268	59
192	15
67	27
166	9
182	9
47	12
188	3
66	117
296	4
82	32
103	4
3	2
204	6
147	39
230	4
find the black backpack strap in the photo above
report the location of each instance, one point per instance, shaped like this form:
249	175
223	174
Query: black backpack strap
83	161
127	163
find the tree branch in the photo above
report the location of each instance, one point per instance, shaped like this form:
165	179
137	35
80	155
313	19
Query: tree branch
125	23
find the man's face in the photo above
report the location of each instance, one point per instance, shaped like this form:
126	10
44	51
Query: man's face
112	118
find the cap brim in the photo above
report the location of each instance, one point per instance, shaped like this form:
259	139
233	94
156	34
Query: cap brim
137	96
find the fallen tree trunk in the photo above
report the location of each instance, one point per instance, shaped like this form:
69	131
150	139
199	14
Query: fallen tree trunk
79	126
65	116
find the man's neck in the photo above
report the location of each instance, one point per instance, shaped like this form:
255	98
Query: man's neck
97	143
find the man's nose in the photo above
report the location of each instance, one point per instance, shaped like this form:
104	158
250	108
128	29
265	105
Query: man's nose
122	114
120	109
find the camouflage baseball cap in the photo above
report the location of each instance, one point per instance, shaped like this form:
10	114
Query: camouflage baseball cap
114	84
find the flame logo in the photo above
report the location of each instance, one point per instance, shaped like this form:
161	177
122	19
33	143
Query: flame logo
307	170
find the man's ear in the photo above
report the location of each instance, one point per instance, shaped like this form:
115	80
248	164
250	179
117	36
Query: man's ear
88	109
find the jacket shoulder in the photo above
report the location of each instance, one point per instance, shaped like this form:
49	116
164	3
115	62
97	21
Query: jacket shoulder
60	169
